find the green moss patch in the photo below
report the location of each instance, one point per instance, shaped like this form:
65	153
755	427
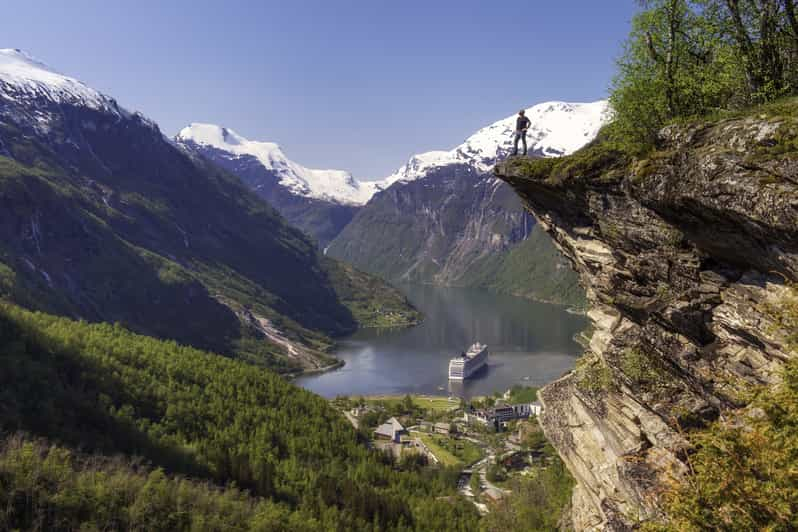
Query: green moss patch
600	160
593	375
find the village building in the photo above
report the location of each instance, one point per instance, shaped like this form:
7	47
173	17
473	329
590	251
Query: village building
442	428
494	494
361	410
390	430
501	414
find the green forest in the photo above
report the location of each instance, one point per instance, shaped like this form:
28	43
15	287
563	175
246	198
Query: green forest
104	390
695	58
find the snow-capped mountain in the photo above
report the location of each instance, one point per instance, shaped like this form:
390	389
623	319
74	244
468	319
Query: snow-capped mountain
22	76
443	218
336	186
25	80
558	128
320	202
103	218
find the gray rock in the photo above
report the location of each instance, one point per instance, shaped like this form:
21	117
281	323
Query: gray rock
681	255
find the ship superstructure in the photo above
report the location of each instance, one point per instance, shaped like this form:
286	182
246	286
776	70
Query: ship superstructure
465	365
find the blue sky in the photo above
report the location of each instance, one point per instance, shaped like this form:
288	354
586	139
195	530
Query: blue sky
355	85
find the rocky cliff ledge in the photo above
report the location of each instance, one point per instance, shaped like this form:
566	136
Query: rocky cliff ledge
684	254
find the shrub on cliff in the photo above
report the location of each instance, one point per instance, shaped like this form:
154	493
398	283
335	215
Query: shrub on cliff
693	57
744	474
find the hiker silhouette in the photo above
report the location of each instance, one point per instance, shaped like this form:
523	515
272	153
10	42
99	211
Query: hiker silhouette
521	126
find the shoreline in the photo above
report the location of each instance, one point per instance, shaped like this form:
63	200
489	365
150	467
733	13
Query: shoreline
292	376
393	396
568	307
314	371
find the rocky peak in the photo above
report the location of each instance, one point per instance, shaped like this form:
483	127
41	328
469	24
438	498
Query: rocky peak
333	186
682	254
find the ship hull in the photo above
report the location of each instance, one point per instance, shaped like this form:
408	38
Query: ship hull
462	368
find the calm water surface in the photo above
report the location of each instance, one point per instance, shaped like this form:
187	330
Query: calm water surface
529	343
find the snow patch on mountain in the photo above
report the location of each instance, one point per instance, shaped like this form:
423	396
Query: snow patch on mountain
23	77
35	93
336	186
558	128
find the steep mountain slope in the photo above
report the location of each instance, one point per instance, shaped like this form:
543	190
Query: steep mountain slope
320	202
690	257
103	218
444	219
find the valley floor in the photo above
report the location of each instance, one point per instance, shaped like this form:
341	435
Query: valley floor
496	467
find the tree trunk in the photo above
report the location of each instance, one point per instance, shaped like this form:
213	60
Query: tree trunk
789	9
670	57
746	46
769	54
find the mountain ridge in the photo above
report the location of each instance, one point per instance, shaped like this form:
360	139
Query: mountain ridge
453	223
105	219
557	128
335	186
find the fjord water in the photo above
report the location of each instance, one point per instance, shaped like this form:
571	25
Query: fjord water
530	343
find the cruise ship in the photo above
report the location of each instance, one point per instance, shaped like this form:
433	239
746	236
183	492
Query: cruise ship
462	367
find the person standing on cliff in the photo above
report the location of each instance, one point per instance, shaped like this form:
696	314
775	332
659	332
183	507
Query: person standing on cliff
521	126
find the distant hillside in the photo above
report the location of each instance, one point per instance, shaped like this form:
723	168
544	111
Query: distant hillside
320	202
456	227
533	268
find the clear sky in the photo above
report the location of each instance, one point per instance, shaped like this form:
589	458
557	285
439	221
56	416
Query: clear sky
354	85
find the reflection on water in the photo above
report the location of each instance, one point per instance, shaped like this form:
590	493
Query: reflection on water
530	343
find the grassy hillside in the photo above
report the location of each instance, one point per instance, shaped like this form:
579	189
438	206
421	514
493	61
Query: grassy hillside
121	226
532	268
373	302
101	388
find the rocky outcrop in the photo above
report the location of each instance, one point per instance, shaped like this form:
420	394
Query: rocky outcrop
684	256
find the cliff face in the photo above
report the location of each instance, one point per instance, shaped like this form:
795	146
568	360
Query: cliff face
456	227
683	256
432	229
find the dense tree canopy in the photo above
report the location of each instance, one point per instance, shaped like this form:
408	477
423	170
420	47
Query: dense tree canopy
101	388
692	57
